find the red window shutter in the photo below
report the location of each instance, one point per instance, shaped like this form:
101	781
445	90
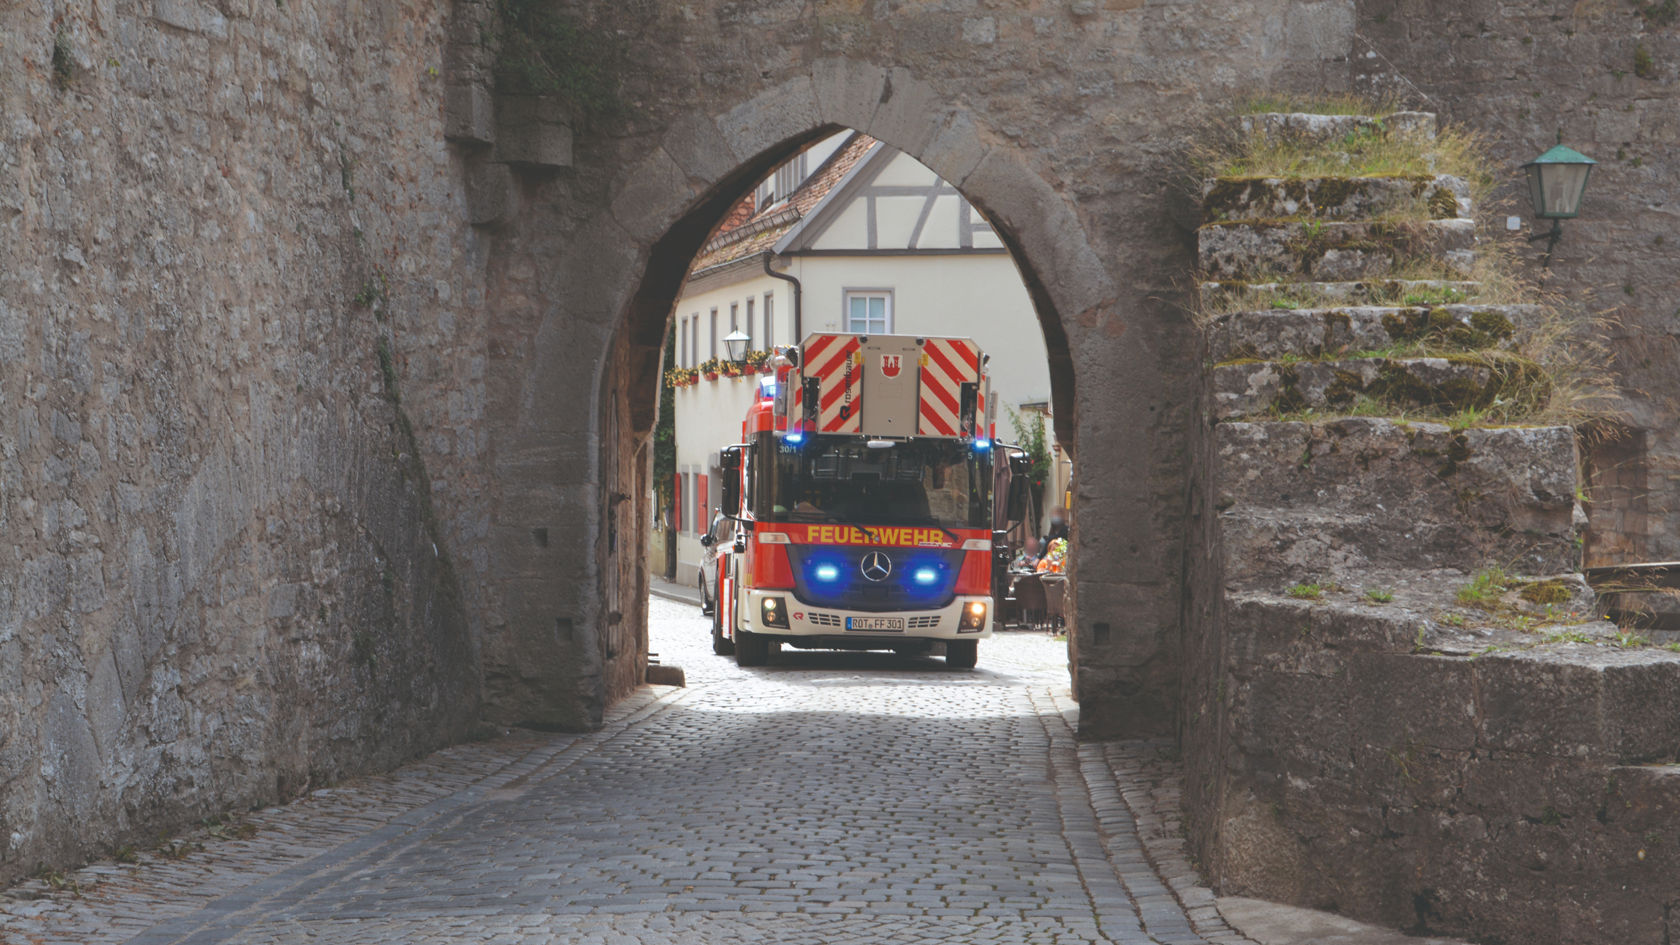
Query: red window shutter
700	505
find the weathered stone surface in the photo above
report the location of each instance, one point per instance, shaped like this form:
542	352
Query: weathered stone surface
190	15
534	130
1513	761
224	577
1333	198
469	114
1475	732
1630	244
1328	129
1320	332
1303	499
1252	389
492	193
1382	291
1330	252
181	284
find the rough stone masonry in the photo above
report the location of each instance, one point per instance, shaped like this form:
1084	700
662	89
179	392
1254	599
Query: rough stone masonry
227	573
325	372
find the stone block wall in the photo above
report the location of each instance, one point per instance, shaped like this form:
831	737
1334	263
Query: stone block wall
1517	795
323	374
240	401
1380	720
1619	499
1605	78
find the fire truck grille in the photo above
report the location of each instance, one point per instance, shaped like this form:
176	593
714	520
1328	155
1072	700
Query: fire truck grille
923	623
825	620
875	579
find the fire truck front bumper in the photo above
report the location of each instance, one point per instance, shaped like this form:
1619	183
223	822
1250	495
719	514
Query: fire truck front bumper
780	614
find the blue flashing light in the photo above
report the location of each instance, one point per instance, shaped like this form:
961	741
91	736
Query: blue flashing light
767	387
796	438
827	572
925	576
981	443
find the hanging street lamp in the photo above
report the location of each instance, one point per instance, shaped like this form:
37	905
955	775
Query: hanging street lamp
1556	181
735	345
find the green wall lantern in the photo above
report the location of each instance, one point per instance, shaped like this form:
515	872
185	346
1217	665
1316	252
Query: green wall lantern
1556	182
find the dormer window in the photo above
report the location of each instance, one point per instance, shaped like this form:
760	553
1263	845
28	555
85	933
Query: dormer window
784	181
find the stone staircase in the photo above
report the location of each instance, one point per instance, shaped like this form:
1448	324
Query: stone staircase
1396	726
1319	359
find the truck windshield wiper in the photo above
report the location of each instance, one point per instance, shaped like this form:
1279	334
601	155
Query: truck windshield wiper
953	535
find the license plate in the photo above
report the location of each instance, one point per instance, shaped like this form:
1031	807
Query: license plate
875	623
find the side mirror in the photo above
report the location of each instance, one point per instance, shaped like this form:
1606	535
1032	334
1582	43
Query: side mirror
1020	490
707	540
1020	464
729	463
1020	486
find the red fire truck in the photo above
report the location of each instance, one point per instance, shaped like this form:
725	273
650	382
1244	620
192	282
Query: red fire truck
871	507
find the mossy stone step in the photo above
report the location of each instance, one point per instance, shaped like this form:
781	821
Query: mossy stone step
1277	547
1446	384
1230	296
1329	129
1441	197
1369	493
1321	332
1335	251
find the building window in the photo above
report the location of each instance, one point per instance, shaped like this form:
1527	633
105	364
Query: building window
734	316
869	312
787	179
694	341
769	321
749	326
682	343
713	355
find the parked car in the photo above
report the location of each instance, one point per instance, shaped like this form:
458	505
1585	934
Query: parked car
716	542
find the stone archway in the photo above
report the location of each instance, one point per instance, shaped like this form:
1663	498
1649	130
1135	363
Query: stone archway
659	217
1065	127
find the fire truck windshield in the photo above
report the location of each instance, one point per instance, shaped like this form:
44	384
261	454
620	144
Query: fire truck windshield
942	482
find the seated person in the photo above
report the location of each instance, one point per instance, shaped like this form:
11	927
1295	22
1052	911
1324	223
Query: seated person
1055	557
1027	558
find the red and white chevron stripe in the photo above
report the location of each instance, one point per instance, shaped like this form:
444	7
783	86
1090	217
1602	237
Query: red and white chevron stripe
794	386
835	362
947	364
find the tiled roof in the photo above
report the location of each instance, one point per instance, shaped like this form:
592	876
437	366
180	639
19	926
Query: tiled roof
739	214
746	231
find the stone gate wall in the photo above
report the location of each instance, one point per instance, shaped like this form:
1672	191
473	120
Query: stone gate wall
1065	124
1605	78
322	371
241	379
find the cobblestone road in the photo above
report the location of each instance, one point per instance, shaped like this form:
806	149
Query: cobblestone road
827	798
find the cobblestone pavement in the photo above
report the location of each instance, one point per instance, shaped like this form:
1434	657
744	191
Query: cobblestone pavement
826	798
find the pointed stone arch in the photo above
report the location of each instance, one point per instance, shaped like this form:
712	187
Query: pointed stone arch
632	256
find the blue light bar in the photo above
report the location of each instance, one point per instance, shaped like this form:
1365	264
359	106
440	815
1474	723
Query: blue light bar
925	575
827	572
767	386
796	438
981	443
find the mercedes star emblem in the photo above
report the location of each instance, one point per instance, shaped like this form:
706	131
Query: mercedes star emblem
876	565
